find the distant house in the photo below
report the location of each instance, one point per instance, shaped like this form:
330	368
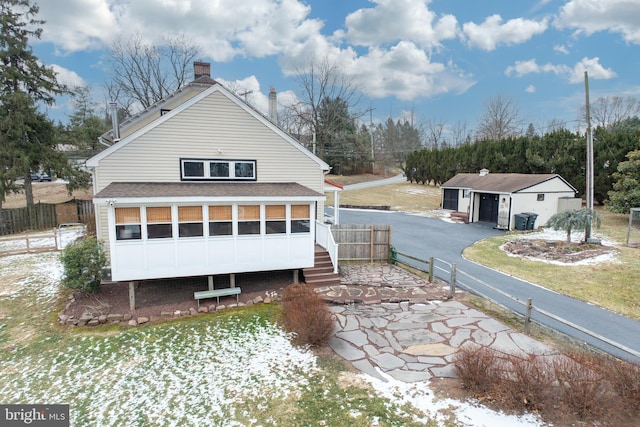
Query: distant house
498	197
202	184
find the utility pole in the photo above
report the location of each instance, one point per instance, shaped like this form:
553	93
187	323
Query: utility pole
373	161
589	163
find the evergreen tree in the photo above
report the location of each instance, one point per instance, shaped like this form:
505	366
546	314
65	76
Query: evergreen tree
626	188
26	136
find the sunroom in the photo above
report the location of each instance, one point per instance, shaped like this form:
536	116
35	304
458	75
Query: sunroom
161	230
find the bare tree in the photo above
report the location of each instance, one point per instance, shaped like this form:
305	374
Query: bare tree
434	133
144	74
460	133
609	111
500	120
321	82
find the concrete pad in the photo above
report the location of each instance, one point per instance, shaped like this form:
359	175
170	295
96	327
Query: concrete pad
358	338
388	361
366	367
409	376
345	350
438	349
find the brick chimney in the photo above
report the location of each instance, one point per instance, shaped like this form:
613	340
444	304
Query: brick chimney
201	69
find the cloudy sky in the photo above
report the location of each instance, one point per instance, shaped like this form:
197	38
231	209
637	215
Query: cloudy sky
441	59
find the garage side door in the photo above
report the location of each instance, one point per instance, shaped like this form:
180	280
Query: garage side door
450	199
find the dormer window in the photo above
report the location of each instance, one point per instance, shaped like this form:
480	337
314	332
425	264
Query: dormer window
217	170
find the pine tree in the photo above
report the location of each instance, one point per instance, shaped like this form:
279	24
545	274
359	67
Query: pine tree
26	136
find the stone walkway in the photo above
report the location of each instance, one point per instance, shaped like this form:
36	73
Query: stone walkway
395	322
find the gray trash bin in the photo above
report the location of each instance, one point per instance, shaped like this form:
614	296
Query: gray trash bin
532	216
521	221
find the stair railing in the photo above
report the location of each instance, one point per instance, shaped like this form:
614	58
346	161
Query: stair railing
324	238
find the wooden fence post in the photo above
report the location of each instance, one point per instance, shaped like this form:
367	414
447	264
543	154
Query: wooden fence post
431	261
371	244
527	316
452	285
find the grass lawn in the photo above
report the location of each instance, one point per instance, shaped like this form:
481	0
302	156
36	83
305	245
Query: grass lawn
235	368
611	285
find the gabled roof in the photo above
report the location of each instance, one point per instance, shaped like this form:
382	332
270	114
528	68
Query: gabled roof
191	190
93	162
500	182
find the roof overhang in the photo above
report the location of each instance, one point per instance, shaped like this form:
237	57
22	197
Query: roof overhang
205	192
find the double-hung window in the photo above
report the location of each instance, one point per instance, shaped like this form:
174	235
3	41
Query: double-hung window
128	224
276	219
300	219
159	222
248	219
220	221
190	221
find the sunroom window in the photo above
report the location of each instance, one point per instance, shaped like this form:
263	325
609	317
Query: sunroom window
300	219
190	221
275	219
128	224
159	222
248	219
220	221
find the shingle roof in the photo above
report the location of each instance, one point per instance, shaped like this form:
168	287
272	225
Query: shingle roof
204	189
499	182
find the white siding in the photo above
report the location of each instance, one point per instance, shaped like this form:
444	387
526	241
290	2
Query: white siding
214	127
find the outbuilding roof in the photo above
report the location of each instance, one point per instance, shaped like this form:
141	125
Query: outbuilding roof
500	182
140	190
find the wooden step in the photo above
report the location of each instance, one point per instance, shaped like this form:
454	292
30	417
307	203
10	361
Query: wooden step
322	271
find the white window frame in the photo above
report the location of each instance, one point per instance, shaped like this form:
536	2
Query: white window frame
206	163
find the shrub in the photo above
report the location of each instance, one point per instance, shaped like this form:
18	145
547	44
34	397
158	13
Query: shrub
583	388
83	262
527	383
625	379
477	368
306	315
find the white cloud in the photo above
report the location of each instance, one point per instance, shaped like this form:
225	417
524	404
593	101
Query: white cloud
67	77
224	29
593	68
493	32
591	16
561	49
393	20
530	89
573	75
91	23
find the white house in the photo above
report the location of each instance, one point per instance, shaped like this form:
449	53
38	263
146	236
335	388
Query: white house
203	184
498	197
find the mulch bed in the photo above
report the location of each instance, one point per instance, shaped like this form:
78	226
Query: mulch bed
555	250
153	297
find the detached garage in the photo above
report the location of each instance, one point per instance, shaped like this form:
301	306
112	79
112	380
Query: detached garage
497	198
